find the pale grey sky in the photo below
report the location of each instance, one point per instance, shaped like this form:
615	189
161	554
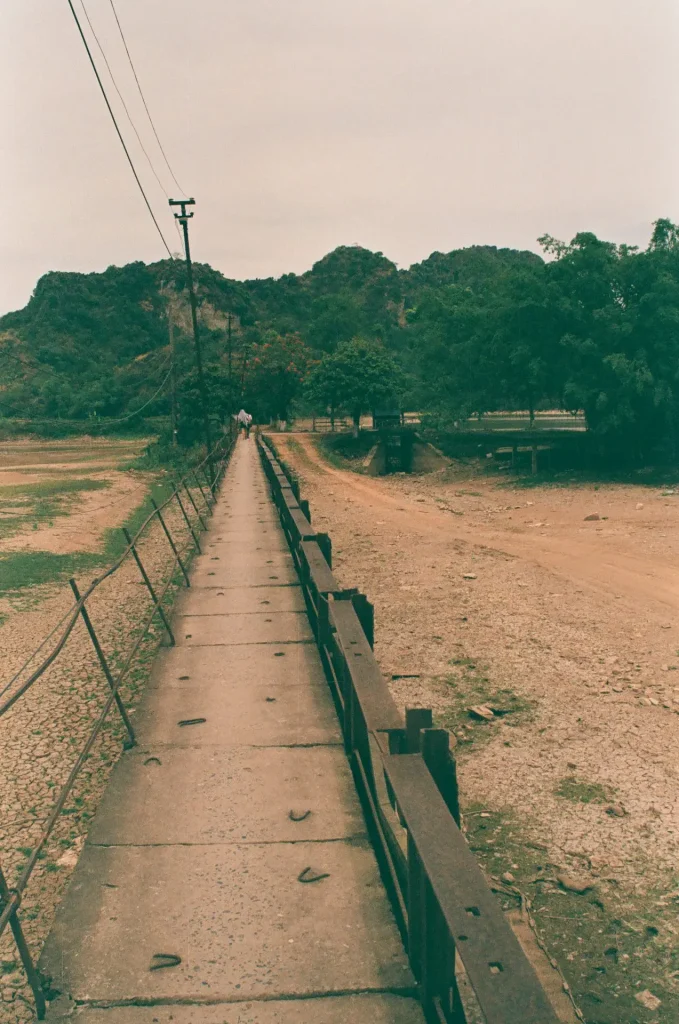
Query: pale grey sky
407	126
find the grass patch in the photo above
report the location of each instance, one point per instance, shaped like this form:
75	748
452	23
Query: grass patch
52	488
609	944
468	685
32	504
20	570
581	792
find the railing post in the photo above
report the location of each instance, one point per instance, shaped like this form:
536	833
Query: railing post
365	612
304	505
416	720
442	767
23	950
188	521
172	543
195	507
131	741
200	488
325	544
147	581
415	897
210	482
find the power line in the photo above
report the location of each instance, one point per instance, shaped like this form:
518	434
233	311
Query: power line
129	57
154	395
120	97
115	123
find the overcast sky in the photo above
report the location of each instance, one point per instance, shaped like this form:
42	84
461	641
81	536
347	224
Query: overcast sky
406	126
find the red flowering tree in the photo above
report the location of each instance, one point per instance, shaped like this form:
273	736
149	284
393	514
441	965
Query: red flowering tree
276	368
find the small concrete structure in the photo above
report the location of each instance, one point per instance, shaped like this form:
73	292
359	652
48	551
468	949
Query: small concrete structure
231	839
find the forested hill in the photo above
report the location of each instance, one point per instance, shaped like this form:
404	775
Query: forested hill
89	344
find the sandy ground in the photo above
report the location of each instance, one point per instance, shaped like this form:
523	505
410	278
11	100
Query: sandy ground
84	527
90	513
576	619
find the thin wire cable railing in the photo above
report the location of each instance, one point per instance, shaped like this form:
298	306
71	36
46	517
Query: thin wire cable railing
76	608
11	897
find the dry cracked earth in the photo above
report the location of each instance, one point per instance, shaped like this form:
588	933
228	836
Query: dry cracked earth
564	627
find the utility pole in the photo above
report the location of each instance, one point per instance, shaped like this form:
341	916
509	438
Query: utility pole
183	219
173	365
229	345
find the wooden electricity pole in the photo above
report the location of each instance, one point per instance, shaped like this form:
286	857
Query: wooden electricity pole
173	368
183	219
230	351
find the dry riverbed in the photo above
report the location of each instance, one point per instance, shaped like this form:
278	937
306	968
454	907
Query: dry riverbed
554	611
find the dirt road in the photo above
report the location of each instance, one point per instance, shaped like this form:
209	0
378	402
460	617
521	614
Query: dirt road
569	628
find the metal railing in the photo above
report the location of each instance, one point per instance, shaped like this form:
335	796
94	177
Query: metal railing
406	779
182	501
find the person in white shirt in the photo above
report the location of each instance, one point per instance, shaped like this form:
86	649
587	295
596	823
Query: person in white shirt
244	421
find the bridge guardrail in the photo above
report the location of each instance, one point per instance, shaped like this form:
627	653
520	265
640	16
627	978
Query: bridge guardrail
212	468
406	779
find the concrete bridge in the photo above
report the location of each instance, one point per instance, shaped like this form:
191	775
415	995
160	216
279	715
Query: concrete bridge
281	844
228	876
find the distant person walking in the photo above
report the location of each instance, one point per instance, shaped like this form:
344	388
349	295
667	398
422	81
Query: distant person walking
244	422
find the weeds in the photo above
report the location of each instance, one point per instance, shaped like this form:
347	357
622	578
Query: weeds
469	686
608	944
582	792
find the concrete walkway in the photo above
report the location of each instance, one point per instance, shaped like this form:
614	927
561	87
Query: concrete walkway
213	829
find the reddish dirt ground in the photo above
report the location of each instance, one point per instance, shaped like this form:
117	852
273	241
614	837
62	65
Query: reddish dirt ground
575	622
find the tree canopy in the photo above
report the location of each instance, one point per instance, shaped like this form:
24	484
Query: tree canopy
593	326
358	376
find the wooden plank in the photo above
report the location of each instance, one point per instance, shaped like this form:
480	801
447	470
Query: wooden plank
506	986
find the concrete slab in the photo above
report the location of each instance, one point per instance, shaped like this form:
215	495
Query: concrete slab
238	917
266	518
218	795
211	600
264	628
245	557
243	575
228	543
361	1009
241	713
219	670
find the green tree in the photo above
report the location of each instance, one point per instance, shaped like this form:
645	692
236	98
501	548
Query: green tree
273	375
222	396
358	376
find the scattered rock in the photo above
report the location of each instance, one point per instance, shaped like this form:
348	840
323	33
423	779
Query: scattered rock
647	999
615	810
68	859
590	519
481	711
508	877
577	885
639	506
469	576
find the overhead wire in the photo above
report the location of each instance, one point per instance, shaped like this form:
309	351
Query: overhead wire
154	395
120	97
117	128
143	99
